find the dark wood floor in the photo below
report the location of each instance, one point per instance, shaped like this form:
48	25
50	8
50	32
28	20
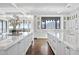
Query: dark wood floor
40	47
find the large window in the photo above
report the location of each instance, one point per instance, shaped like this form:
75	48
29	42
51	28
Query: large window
21	26
50	22
3	26
0	27
25	25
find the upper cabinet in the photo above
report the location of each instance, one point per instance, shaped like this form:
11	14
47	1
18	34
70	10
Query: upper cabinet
70	21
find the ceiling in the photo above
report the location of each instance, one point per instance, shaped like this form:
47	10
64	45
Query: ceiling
37	8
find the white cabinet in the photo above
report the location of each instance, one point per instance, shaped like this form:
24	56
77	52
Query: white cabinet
24	44
58	46
28	42
63	49
53	43
21	46
67	50
60	50
69	24
13	50
77	24
74	52
18	47
3	52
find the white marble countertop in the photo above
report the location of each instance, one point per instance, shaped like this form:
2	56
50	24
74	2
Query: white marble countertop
11	40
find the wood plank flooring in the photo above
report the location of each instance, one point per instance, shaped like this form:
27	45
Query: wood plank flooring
40	47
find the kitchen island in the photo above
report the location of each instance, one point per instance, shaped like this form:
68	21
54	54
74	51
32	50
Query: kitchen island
16	45
64	42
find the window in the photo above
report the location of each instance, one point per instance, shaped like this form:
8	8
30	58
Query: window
17	27
43	25
58	24
27	25
4	26
21	26
50	22
0	27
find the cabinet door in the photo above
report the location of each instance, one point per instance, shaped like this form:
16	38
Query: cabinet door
67	50
60	50
28	43
52	42
13	50
56	44
74	52
3	52
24	45
21	46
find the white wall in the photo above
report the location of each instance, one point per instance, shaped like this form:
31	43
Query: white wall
42	33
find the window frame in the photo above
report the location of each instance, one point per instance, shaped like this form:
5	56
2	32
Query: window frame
43	19
3	27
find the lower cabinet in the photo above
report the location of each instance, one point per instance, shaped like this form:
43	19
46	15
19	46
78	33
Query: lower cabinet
67	50
74	52
17	49
3	52
12	50
20	48
58	46
24	45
